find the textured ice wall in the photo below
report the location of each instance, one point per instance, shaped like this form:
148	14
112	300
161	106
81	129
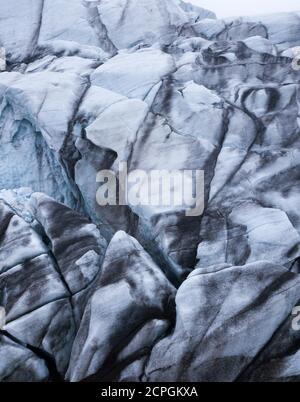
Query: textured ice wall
160	85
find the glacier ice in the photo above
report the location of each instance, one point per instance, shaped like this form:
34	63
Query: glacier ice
147	294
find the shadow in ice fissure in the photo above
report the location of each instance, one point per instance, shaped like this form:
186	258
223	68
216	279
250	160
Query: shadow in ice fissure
40	353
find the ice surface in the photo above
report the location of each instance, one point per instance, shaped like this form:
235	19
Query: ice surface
147	293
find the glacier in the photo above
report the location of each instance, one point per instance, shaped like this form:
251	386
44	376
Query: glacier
119	293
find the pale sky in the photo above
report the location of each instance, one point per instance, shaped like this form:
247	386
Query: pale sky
231	8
